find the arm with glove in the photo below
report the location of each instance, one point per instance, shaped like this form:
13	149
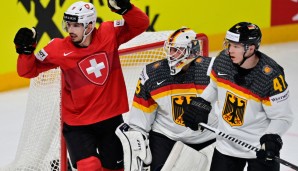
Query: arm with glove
195	112
28	65
135	20
119	6
25	41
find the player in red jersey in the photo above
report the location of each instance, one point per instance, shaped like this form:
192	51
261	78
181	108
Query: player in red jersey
93	89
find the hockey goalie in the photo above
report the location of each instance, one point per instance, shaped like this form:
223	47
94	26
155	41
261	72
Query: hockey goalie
167	107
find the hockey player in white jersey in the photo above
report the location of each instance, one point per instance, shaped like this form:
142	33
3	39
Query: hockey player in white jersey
253	99
169	88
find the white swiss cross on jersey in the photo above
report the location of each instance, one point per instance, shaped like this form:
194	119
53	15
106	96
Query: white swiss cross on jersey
95	68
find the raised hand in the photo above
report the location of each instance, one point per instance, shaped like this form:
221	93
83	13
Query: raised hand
119	6
25	41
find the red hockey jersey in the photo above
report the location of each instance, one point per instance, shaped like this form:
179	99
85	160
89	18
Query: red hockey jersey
93	87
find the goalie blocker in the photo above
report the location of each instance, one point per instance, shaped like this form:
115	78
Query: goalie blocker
135	148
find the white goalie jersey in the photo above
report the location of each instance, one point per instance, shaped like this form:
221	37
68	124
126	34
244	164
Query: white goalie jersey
159	98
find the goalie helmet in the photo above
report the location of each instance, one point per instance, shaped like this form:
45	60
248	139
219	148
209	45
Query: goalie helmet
181	48
245	33
80	12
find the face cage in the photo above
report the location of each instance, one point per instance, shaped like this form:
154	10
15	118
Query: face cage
175	64
172	60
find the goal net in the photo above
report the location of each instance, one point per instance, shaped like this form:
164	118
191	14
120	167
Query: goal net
41	146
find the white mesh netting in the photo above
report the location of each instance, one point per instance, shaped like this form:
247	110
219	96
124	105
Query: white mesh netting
39	145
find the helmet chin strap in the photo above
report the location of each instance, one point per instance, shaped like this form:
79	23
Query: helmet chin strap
85	36
245	58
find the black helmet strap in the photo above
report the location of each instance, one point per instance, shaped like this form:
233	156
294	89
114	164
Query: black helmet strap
245	58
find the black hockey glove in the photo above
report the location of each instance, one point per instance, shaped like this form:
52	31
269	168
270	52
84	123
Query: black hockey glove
196	112
25	41
119	6
271	145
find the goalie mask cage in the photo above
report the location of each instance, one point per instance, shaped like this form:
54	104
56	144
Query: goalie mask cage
41	146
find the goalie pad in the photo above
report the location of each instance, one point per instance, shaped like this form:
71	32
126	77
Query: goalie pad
179	158
135	148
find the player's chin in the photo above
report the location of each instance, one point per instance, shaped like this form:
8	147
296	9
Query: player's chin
234	60
76	41
73	37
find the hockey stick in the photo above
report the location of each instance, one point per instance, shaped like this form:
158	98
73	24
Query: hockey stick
246	145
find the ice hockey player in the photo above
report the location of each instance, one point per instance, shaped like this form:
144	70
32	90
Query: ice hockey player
93	89
167	92
253	99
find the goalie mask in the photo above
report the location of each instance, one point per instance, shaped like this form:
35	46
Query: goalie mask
181	48
80	12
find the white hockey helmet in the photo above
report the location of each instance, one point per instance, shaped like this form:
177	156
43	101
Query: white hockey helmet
80	12
182	41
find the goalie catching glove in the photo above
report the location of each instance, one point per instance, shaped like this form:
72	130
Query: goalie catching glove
270	146
196	112
25	41
119	6
135	147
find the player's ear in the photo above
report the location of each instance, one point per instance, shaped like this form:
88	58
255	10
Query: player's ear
252	47
89	28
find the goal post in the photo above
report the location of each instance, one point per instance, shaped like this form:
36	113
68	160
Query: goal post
41	146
